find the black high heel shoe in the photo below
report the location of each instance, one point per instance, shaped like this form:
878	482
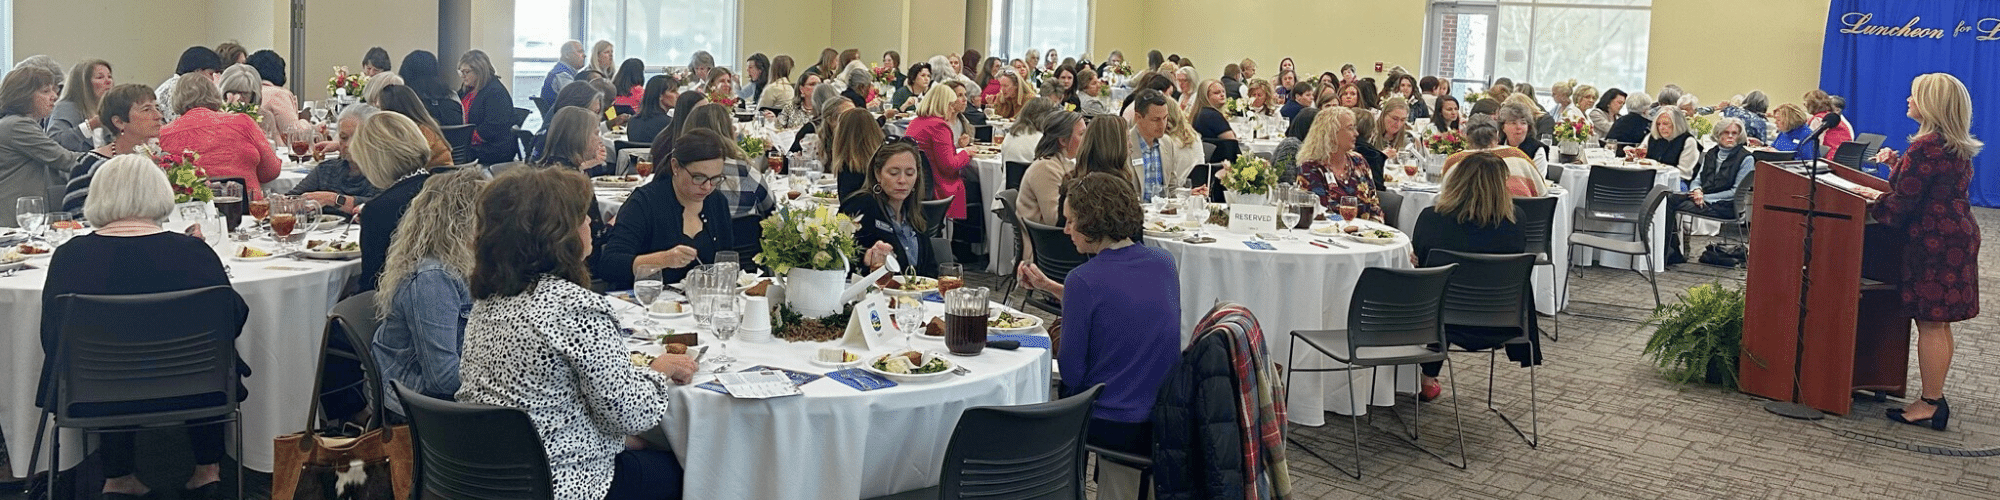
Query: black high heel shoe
1937	420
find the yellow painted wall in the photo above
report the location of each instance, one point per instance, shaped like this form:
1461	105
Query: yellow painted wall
1778	53
1116	25
870	25
332	39
794	27
141	40
932	27
1318	35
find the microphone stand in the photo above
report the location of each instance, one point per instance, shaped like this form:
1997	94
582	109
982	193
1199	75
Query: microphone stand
1794	408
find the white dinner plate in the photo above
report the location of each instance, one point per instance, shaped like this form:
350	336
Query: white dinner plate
868	363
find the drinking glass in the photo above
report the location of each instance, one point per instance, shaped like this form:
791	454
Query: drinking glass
646	288
28	214
907	313
951	275
1291	216
1350	207
61	228
229	200
300	140
728	264
697	286
726	317
284	219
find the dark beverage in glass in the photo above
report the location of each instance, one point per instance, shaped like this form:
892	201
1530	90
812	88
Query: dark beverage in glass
965	335
1305	212
232	210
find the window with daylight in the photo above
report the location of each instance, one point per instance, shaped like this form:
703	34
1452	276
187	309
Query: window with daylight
658	32
1597	42
6	30
1023	25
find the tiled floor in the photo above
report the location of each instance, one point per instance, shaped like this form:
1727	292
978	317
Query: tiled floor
1615	429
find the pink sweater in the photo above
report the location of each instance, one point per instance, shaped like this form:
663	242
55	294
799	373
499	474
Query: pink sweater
947	160
229	144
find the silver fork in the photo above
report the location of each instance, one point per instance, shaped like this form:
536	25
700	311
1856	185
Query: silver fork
352	221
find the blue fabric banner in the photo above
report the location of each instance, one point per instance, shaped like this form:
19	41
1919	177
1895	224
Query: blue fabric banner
1875	47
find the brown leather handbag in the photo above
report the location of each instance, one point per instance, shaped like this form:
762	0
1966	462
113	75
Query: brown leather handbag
324	464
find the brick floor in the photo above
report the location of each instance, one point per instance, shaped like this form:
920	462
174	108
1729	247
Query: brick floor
1617	429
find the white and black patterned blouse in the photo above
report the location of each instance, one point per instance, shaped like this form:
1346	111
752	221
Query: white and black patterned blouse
555	351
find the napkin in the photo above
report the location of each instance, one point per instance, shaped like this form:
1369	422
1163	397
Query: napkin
1025	340
860	379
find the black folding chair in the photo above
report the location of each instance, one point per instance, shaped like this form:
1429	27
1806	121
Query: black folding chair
1015	171
1637	243
1394	318
1007	215
1494	291
467	451
460	138
1536	218
174	351
1025	451
1056	256
940	230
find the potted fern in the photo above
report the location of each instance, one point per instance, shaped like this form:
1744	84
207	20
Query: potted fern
1700	337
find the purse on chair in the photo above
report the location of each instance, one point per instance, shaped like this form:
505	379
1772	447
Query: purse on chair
324	464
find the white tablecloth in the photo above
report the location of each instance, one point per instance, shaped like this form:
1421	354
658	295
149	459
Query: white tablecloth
291	176
834	442
288	302
1296	287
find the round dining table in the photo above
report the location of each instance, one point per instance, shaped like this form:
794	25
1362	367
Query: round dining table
1295	286
289	300
833	441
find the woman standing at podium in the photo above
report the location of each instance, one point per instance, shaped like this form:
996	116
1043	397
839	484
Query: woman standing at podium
1927	198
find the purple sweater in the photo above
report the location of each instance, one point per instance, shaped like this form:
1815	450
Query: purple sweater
1121	328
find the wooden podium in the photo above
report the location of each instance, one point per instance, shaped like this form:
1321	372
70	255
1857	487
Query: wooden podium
1856	335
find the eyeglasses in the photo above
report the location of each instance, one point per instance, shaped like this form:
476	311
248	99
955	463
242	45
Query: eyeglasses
702	180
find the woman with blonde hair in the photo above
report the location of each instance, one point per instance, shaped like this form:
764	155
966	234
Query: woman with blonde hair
851	150
1263	100
1792	131
1927	200
947	161
1392	135
423	299
1012	96
601	58
1819	104
1474	214
391	153
88	81
1329	167
1581	99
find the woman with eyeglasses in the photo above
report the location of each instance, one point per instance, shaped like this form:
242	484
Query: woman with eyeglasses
890	212
673	225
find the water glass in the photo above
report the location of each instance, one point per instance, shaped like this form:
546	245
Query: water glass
908	315
28	214
60	228
646	288
727	315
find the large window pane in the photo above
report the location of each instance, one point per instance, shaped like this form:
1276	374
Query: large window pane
1020	25
1603	47
540	28
666	33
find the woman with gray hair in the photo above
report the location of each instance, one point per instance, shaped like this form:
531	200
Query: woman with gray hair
1517	123
696	74
1712	191
860	84
1670	143
337	183
130	254
1631	127
31	164
240	84
1755	127
229	144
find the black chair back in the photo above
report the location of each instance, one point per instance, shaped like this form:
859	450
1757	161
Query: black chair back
1392	206
1396	307
540	104
520	117
1874	142
1015	171
1617	194
1486	290
1849	154
178	346
460	138
935	214
468	451
1019	452
1055	254
527	140
353	320
1536	217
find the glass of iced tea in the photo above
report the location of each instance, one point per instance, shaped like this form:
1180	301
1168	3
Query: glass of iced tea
1349	207
645	168
951	275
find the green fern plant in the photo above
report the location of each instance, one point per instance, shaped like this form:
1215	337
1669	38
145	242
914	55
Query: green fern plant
1700	334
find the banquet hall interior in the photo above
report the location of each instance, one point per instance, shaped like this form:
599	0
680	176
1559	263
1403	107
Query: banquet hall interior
1225	249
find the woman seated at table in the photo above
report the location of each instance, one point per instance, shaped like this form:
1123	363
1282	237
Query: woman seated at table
1209	120
1329	167
89	80
1011	97
1631	128
942	149
1041	186
1517	125
1474	214
1724	168
827	105
337	183
1286	156
423	288
1819	104
1365	123
852	149
1670	143
1090	90
653	105
400	99
1065	88
918	82
860	86
229	144
1483	135
132	117
892	219
278	105
540	341
674	224
420	72
1793	131
1026	132
749	200
1604	113
722	87
391	153
629	85
1262	100
1445	117
488	108
573	144
1122	328
1392	133
130	254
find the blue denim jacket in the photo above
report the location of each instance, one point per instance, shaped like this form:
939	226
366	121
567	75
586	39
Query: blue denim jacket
418	343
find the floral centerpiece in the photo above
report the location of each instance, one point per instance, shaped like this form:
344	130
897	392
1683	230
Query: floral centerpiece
190	181
1120	69
1570	134
1234	107
1445	143
1249	179
721	98
884	75
1474	97
810	247
1702	125
752	146
244	108
342	80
